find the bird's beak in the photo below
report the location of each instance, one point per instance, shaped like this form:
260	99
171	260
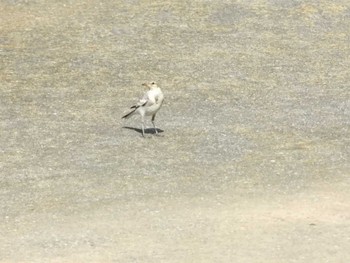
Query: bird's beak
145	84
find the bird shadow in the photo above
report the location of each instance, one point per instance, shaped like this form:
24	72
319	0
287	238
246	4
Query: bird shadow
147	130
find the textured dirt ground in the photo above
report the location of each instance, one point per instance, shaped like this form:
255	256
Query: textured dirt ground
253	161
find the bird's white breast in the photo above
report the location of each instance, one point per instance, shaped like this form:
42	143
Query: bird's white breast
156	98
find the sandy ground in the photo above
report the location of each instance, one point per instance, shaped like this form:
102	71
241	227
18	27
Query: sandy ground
252	164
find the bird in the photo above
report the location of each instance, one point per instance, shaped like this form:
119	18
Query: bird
149	105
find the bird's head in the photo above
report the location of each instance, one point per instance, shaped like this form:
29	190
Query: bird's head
150	85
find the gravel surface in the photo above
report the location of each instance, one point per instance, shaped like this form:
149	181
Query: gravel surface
252	162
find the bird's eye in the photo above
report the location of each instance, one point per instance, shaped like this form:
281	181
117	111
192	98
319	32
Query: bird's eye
153	83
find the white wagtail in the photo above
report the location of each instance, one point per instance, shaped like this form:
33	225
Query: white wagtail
149	105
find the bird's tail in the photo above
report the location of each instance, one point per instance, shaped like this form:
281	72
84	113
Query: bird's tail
127	116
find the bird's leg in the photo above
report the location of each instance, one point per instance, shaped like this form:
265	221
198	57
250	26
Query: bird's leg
154	126
143	125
